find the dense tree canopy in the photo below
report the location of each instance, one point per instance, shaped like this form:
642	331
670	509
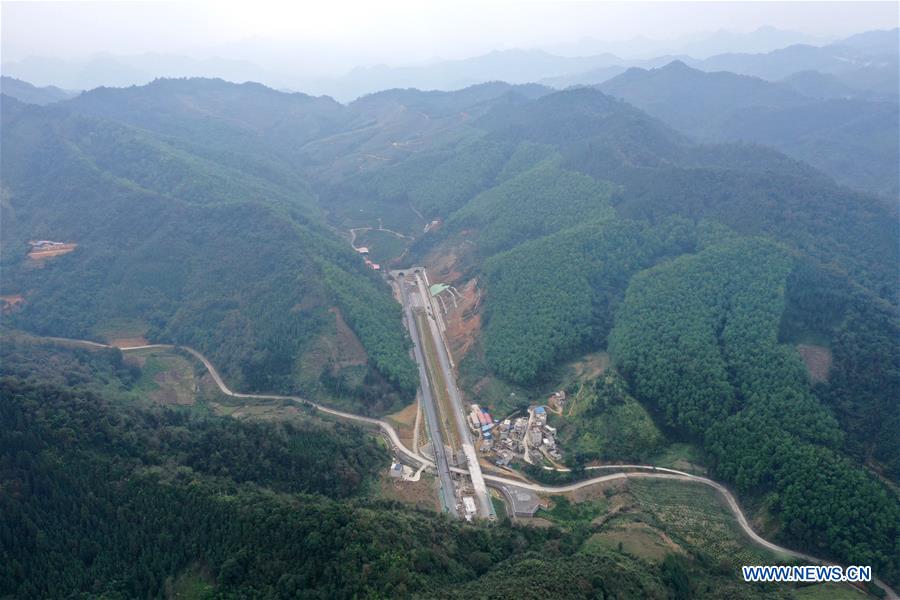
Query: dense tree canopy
553	296
194	252
538	202
698	338
200	207
101	499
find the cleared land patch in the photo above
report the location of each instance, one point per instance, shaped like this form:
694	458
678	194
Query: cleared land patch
817	360
590	366
193	584
167	378
38	253
681	456
651	518
696	517
420	494
829	591
11	303
384	246
638	539
123	333
464	319
129	342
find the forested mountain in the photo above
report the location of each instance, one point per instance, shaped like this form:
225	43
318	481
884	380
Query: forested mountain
682	96
513	66
436	103
25	92
815	84
555	286
248	126
698	337
191	250
750	189
516	210
866	61
853	140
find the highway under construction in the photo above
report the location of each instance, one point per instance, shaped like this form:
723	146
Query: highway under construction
464	492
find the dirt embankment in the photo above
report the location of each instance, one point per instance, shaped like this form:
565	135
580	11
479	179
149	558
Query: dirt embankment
464	319
463	302
447	262
404	421
39	254
11	303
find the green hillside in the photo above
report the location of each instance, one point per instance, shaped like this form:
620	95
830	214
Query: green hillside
200	254
851	139
698	337
204	213
533	204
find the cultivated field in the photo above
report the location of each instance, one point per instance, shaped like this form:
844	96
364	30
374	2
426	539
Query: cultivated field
167	378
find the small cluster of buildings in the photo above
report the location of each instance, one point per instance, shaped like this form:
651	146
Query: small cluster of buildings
520	437
542	437
481	421
365	253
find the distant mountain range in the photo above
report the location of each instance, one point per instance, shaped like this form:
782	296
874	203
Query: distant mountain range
828	126
865	62
25	92
698	45
124	70
834	107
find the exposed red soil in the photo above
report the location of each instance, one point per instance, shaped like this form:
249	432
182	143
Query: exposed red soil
55	251
464	320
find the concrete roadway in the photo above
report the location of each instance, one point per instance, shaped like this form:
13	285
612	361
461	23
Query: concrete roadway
448	495
482	495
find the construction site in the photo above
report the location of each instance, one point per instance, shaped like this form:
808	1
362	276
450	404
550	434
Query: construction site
451	447
43	249
461	441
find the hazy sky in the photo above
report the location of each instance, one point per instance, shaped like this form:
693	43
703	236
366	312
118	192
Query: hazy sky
372	31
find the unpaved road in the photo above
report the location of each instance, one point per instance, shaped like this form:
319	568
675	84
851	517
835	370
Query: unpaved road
645	471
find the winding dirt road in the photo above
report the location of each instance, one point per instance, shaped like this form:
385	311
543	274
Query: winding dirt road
641	471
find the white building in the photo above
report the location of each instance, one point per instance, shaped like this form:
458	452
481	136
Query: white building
469	505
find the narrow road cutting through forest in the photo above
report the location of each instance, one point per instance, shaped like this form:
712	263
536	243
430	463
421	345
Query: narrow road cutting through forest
645	471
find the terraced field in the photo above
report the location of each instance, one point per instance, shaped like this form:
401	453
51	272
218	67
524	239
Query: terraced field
695	518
